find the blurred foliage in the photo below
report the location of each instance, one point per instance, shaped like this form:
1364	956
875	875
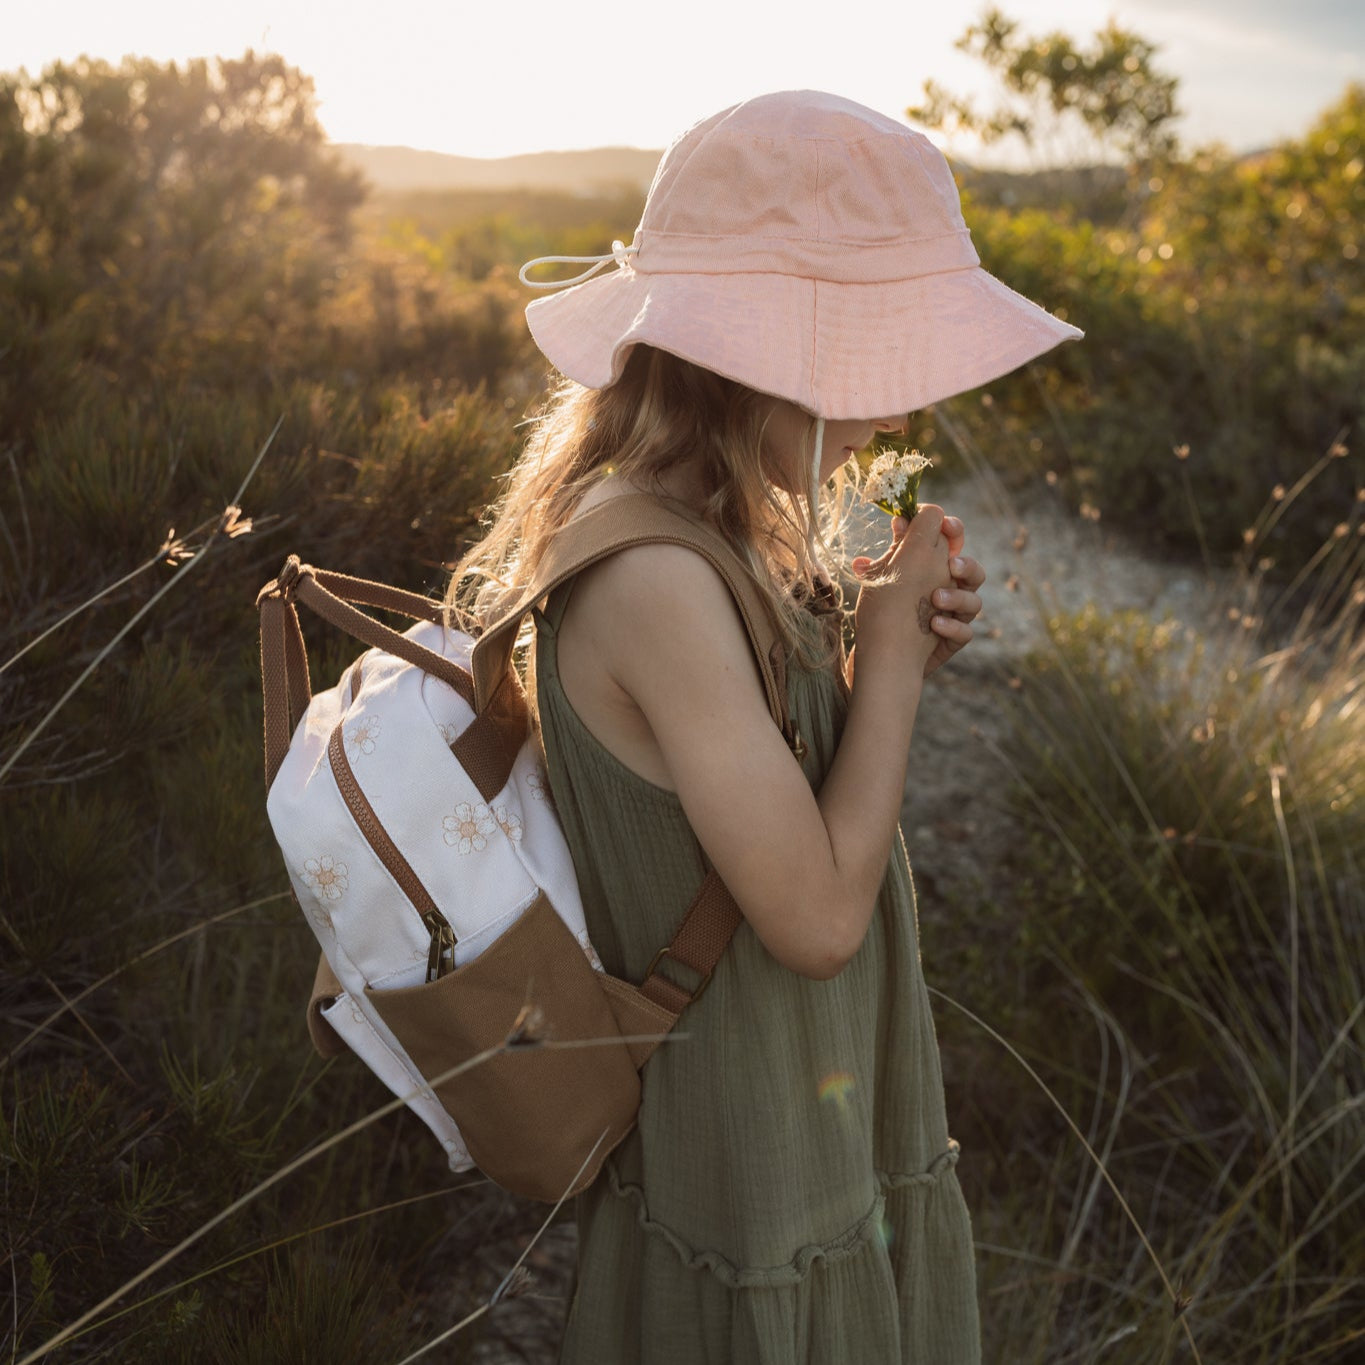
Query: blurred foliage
1112	93
183	265
1224	352
180	270
474	233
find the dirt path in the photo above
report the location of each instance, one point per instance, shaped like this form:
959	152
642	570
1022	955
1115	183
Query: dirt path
1039	560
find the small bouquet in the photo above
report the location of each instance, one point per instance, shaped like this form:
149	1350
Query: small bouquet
892	481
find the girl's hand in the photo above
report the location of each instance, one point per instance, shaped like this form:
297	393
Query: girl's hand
956	607
895	611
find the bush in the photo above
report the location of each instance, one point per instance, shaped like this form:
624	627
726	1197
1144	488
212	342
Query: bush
1228	323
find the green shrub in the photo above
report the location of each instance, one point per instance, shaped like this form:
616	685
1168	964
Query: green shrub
1228	321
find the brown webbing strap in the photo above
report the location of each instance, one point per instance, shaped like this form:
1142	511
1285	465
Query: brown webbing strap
313	589
699	944
618	524
284	677
713	916
366	592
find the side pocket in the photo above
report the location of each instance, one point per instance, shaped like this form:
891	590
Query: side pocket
536	1110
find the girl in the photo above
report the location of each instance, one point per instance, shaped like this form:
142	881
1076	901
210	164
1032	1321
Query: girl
801	278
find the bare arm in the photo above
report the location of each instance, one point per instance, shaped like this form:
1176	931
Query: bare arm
804	870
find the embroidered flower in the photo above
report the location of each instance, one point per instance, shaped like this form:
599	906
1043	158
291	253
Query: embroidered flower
361	736
537	786
325	878
467	830
510	822
321	918
450	733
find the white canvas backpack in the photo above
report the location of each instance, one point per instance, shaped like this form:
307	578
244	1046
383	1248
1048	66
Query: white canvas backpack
415	819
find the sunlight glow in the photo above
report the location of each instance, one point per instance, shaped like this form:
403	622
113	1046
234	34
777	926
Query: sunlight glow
492	80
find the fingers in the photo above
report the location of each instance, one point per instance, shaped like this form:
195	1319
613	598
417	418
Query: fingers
928	523
959	602
967	571
949	628
864	567
956	534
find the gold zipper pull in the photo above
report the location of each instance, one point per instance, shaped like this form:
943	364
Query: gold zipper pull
441	953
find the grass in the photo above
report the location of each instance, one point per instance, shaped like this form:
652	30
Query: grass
1167	1041
1190	801
1182	1174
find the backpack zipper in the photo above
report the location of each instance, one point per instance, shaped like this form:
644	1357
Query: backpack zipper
441	950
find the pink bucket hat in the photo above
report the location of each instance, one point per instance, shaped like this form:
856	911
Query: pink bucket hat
809	248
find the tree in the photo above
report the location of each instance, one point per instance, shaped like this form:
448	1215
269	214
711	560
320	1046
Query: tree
150	212
1110	90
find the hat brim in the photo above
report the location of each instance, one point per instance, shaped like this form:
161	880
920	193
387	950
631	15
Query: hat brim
840	350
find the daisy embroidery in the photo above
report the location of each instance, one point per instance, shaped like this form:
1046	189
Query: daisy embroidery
325	878
467	830
321	918
361	736
510	822
450	733
535	782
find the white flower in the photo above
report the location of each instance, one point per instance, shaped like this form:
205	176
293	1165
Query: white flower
325	878
467	830
892	475
510	822
360	737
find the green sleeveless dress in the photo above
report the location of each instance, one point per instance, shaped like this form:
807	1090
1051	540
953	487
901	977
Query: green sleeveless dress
789	1196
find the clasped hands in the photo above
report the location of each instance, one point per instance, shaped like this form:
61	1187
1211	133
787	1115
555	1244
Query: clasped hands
955	608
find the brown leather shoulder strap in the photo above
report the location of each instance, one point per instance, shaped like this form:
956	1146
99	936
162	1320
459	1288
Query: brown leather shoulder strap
489	745
618	524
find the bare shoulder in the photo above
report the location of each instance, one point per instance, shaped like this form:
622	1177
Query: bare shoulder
649	629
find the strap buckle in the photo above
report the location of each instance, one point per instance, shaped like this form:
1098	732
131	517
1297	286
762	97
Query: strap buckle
667	951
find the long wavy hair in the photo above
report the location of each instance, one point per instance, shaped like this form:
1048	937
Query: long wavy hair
662	412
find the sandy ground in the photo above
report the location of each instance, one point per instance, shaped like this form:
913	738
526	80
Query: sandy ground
1039	559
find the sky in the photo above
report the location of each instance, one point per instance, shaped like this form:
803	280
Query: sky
498	77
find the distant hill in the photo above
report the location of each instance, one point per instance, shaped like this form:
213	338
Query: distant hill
586	172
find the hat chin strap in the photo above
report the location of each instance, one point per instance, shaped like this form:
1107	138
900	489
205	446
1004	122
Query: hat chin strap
813	497
620	253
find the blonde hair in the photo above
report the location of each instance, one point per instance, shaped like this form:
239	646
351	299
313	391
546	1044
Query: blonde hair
662	412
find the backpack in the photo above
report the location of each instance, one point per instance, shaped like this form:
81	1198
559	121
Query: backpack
413	813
